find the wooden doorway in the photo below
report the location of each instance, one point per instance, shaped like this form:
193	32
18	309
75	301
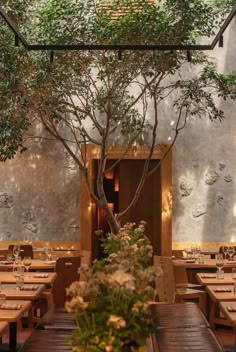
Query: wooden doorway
157	194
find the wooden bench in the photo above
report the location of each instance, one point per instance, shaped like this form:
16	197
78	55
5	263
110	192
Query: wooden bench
182	327
58	319
47	340
187	339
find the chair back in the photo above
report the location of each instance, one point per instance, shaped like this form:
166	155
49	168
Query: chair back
177	253
26	250
86	257
168	280
67	272
227	255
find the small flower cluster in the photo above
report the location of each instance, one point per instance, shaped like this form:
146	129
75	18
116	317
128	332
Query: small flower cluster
111	307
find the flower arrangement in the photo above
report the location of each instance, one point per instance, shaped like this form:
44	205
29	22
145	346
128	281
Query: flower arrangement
111	307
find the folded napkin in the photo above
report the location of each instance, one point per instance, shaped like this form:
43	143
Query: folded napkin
231	262
29	288
222	289
212	276
50	262
231	308
11	306
41	275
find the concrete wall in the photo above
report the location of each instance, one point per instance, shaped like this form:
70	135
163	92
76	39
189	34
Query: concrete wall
39	195
39	190
204	169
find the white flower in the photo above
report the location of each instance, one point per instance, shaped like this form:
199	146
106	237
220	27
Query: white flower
116	322
121	279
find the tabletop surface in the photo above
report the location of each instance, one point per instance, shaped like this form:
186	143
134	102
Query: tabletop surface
231	316
29	278
206	279
12	315
36	264
221	296
208	263
27	294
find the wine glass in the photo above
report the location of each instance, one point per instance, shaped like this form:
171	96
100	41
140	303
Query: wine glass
219	264
193	249
230	252
234	278
15	271
16	251
27	262
225	251
198	251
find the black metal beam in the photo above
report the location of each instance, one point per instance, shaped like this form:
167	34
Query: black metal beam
13	27
160	47
224	27
119	47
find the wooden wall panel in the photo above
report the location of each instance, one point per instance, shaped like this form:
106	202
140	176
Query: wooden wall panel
136	153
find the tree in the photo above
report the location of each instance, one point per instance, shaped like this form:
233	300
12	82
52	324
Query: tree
86	97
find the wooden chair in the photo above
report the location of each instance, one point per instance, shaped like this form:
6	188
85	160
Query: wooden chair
26	250
172	294
227	256
67	272
181	278
177	253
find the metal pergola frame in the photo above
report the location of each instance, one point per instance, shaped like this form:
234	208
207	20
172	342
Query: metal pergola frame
119	47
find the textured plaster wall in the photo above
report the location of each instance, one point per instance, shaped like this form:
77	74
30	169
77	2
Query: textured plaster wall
39	190
39	195
204	169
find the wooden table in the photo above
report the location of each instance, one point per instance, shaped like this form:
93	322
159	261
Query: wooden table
231	317
37	264
216	298
12	317
29	295
207	281
9	278
208	264
192	269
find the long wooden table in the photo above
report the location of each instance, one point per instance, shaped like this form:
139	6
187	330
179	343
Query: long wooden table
28	294
216	298
12	316
211	279
192	268
37	264
208	264
29	278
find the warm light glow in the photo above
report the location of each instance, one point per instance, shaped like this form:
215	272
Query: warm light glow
109	174
117	186
111	206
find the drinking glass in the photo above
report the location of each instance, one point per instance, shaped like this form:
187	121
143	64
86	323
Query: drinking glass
193	250
16	251
219	264
15	271
27	262
225	251
230	252
234	278
198	250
